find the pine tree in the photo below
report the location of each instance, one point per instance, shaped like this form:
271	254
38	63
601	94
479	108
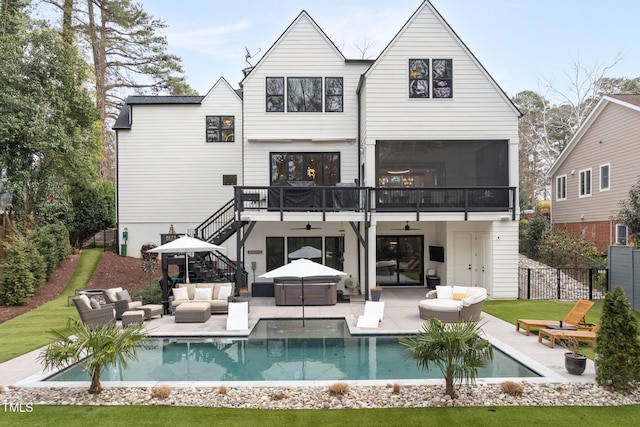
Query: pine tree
617	345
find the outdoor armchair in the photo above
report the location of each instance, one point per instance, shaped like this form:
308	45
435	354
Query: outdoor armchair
121	300
100	315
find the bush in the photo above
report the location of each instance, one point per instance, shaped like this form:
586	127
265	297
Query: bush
151	294
52	242
339	389
24	271
222	390
161	392
511	388
617	347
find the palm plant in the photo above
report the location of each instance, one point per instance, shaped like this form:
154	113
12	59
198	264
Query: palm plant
100	345
455	348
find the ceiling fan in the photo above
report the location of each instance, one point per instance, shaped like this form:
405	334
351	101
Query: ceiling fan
407	227
307	227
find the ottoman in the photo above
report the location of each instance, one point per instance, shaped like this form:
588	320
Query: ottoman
444	310
132	316
193	312
151	310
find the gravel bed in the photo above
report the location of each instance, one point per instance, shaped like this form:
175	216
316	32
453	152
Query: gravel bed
533	394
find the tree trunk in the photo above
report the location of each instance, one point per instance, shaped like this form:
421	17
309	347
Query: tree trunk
95	387
450	387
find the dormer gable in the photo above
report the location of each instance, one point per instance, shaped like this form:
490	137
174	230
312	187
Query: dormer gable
221	87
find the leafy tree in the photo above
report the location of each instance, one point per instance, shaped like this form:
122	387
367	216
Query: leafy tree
617	347
93	208
23	270
629	213
455	348
100	345
52	242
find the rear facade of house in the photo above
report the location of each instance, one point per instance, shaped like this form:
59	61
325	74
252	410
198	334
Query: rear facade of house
401	171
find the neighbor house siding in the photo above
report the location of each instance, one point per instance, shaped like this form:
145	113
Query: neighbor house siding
612	139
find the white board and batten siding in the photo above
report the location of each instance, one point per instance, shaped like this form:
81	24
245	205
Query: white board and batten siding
302	51
168	173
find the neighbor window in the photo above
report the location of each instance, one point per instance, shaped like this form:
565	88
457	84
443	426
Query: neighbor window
418	78
442	72
220	128
229	179
604	177
333	96
304	94
275	94
561	187
621	234
585	183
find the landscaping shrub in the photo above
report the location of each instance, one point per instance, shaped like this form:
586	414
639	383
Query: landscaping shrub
222	390
161	392
617	347
151	294
339	389
24	270
52	242
511	388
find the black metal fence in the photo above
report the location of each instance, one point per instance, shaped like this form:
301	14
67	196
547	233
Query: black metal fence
107	239
562	283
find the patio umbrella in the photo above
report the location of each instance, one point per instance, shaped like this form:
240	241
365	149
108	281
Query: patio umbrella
307	252
184	245
302	268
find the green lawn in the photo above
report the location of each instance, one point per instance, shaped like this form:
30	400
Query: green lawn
29	331
70	416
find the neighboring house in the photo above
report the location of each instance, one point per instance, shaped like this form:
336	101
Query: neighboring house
389	167
596	170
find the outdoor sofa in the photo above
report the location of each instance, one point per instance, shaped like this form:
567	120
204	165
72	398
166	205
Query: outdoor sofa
216	294
453	303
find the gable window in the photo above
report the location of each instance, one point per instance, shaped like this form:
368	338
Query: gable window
418	78
561	187
220	128
585	183
442	78
317	168
431	78
333	96
604	177
304	94
275	94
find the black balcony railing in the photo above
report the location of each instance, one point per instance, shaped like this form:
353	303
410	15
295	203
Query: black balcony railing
306	198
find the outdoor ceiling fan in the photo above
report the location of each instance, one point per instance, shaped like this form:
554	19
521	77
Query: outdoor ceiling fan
307	227
407	227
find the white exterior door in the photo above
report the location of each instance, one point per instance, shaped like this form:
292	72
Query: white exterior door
472	259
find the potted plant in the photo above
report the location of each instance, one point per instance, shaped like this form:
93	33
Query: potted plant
376	292
574	362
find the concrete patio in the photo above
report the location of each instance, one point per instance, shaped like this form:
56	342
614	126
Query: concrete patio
400	317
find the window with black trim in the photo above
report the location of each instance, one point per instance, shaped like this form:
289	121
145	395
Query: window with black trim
275	252
418	78
442	73
319	168
333	96
561	187
275	94
304	94
220	128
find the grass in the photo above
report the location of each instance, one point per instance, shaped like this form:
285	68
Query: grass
70	416
27	332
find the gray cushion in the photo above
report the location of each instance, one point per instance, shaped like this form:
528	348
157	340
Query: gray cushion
123	295
95	304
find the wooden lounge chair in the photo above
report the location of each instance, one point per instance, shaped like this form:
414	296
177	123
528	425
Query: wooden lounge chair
574	318
559	334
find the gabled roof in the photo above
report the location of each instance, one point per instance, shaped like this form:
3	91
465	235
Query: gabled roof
628	101
302	15
124	118
223	81
427	4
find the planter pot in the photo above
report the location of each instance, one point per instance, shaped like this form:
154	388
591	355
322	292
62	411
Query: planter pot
575	364
375	295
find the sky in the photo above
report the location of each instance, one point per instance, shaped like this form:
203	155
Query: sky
523	44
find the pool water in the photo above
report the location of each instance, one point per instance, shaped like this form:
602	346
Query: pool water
282	350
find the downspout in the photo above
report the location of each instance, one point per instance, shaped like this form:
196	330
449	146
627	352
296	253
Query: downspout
360	177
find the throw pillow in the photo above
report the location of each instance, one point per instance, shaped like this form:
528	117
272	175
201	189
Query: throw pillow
180	294
84	300
123	295
111	293
95	304
224	292
202	294
444	292
459	296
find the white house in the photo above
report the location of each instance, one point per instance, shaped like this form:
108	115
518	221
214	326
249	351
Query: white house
391	168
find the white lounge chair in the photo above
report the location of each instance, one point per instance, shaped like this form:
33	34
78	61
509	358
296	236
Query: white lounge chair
373	314
238	317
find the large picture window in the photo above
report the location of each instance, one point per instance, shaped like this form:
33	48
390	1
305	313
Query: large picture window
333	97
304	94
319	168
220	128
275	94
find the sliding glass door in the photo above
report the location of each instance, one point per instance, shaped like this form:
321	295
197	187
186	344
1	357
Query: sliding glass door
399	260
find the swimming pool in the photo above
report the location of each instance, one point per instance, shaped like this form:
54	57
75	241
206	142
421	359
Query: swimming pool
282	350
